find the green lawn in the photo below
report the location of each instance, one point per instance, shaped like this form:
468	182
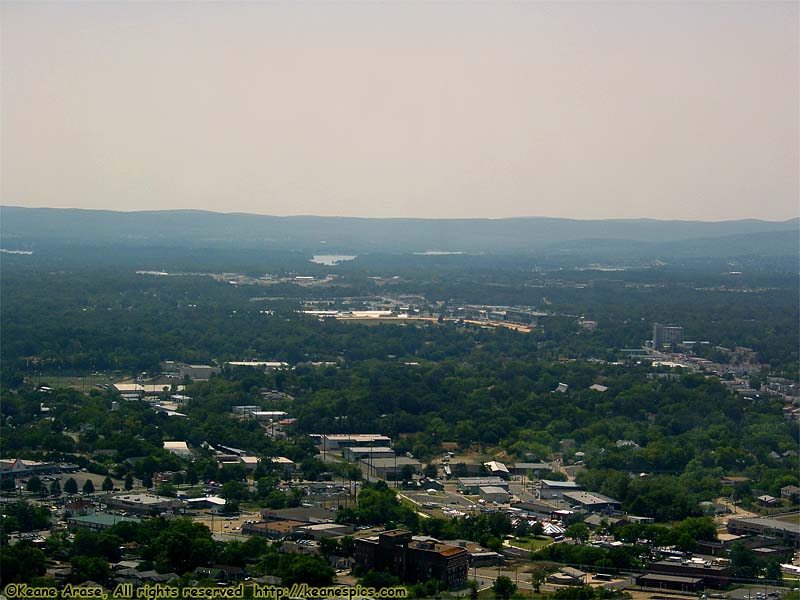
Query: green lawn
531	543
74	382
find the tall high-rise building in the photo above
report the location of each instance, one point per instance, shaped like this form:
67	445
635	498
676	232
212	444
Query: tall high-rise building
658	335
666	335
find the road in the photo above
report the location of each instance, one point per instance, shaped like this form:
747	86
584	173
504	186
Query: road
486	576
523	493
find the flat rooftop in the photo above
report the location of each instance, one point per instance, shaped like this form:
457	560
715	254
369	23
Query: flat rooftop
325	526
479	481
567	485
789	526
104	519
142	498
706	566
399	461
491	489
589	498
532	466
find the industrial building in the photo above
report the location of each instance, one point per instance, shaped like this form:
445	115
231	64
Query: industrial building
283	463
99	521
473	485
494	494
590	502
262	365
412	558
356	453
337	441
178	449
197	372
390	468
670	582
788	531
214	503
273	530
533	468
712	574
325	530
550	490
144	504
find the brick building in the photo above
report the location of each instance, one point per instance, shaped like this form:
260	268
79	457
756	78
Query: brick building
413	558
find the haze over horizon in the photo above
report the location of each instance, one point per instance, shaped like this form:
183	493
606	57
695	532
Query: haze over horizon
395	217
673	110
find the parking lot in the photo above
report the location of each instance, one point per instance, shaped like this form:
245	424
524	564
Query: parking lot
229	525
444	503
757	593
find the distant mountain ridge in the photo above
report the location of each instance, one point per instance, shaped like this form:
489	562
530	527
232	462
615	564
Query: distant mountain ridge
24	228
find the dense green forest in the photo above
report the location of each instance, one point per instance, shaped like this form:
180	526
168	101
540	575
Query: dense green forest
422	384
86	319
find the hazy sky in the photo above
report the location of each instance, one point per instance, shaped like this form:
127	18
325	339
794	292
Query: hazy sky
444	109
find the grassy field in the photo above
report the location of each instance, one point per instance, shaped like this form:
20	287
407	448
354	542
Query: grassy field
531	543
83	383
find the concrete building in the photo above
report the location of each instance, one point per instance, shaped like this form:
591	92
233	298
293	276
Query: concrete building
134	390
590	502
337	441
99	521
531	468
283	463
318	531
788	531
494	494
551	490
356	453
268	415
472	485
197	372
712	574
19	467
268	365
214	503
178	448
389	468
666	336
670	582
303	514
249	462
412	558
144	504
273	530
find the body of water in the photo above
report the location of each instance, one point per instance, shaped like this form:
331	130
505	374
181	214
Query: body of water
331	259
